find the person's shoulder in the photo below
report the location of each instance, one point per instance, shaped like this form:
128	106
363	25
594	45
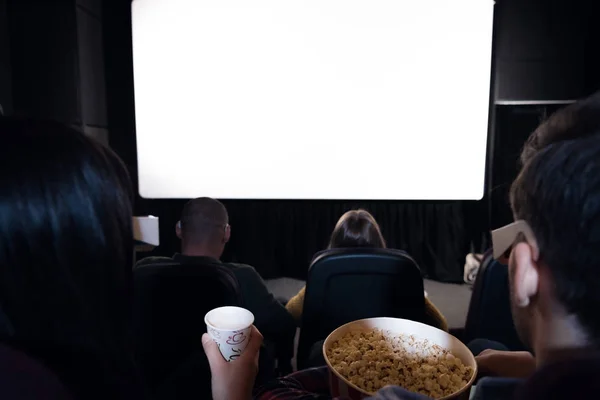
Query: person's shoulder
152	260
244	272
240	267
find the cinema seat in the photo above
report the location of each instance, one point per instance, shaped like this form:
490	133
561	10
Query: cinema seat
170	302
344	285
489	315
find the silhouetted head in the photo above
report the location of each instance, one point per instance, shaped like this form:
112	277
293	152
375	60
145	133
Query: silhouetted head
356	228
66	253
555	254
556	195
576	121
203	228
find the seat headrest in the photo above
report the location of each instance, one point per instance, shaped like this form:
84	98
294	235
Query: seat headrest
359	251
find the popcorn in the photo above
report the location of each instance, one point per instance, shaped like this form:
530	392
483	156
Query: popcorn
374	359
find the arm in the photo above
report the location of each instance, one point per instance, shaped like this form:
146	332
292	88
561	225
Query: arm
434	316
506	364
296	305
270	316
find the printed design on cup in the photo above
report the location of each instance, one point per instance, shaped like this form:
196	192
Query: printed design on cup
236	355
214	333
237	338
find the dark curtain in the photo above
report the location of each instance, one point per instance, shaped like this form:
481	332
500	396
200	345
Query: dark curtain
279	238
513	126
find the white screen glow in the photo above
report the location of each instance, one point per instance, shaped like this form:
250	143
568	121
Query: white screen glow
312	99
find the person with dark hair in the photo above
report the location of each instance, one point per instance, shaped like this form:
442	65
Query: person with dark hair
553	252
204	231
358	228
66	252
575	121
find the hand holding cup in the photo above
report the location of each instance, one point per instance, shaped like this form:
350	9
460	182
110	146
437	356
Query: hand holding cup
231	329
233	366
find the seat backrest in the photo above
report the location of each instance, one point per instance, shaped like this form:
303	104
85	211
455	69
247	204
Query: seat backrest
170	302
345	285
489	315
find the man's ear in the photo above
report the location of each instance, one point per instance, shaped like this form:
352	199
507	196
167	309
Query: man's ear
526	275
178	229
227	235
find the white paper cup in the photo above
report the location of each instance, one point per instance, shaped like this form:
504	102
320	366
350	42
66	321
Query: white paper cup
230	328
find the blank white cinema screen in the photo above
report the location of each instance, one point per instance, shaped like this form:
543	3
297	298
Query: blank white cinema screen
312	99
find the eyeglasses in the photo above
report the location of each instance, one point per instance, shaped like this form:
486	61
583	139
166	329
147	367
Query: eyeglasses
503	239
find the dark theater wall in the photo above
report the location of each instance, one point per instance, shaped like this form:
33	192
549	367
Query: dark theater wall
43	47
545	49
55	53
5	68
92	82
546	54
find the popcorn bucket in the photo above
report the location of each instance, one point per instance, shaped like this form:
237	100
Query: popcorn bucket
341	387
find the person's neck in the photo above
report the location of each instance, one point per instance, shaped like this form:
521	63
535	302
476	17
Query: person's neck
192	251
558	338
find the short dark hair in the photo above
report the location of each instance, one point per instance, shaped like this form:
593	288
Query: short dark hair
575	121
356	228
66	254
202	218
558	194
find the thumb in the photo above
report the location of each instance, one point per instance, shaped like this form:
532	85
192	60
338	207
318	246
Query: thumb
212	351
